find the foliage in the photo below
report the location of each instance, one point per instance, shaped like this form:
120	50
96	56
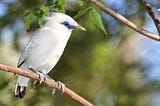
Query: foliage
101	68
59	7
96	18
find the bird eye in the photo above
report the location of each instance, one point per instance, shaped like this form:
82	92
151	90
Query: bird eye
65	23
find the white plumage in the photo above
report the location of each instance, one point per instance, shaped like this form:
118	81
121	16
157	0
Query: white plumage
45	48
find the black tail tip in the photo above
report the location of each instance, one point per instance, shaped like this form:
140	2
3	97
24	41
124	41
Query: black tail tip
20	91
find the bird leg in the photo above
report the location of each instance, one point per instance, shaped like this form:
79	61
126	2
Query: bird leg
62	86
34	83
53	91
42	76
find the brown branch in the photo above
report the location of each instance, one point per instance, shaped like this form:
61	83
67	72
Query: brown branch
50	83
152	14
125	20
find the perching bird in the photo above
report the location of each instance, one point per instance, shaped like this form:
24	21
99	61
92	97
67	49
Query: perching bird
45	48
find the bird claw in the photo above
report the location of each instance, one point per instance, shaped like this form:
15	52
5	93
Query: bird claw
53	91
42	77
62	86
34	83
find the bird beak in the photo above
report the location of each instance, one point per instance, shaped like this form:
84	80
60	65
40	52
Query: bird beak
81	28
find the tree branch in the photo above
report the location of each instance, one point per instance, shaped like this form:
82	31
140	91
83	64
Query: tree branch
50	83
125	20
152	14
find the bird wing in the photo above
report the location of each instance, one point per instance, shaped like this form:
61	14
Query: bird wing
41	45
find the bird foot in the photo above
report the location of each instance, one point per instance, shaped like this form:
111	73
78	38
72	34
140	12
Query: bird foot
62	86
34	83
42	77
53	91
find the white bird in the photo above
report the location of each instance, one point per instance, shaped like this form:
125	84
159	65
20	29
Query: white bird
45	48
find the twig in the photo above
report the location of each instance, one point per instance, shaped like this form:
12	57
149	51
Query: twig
50	83
152	14
125	21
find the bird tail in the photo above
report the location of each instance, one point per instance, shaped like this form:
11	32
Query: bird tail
21	86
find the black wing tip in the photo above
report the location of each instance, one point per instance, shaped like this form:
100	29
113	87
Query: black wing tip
20	64
20	91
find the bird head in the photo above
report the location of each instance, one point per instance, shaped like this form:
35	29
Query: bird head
63	21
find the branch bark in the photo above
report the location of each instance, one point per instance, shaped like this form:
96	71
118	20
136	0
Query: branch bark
125	20
48	82
152	14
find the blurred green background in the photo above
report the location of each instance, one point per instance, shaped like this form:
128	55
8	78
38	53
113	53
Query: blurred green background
114	69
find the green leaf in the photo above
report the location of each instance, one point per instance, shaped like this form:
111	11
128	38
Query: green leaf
81	12
60	6
80	2
45	10
41	22
49	3
37	12
29	19
158	9
96	18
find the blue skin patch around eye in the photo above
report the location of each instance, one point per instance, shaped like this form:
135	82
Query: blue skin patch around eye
66	24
